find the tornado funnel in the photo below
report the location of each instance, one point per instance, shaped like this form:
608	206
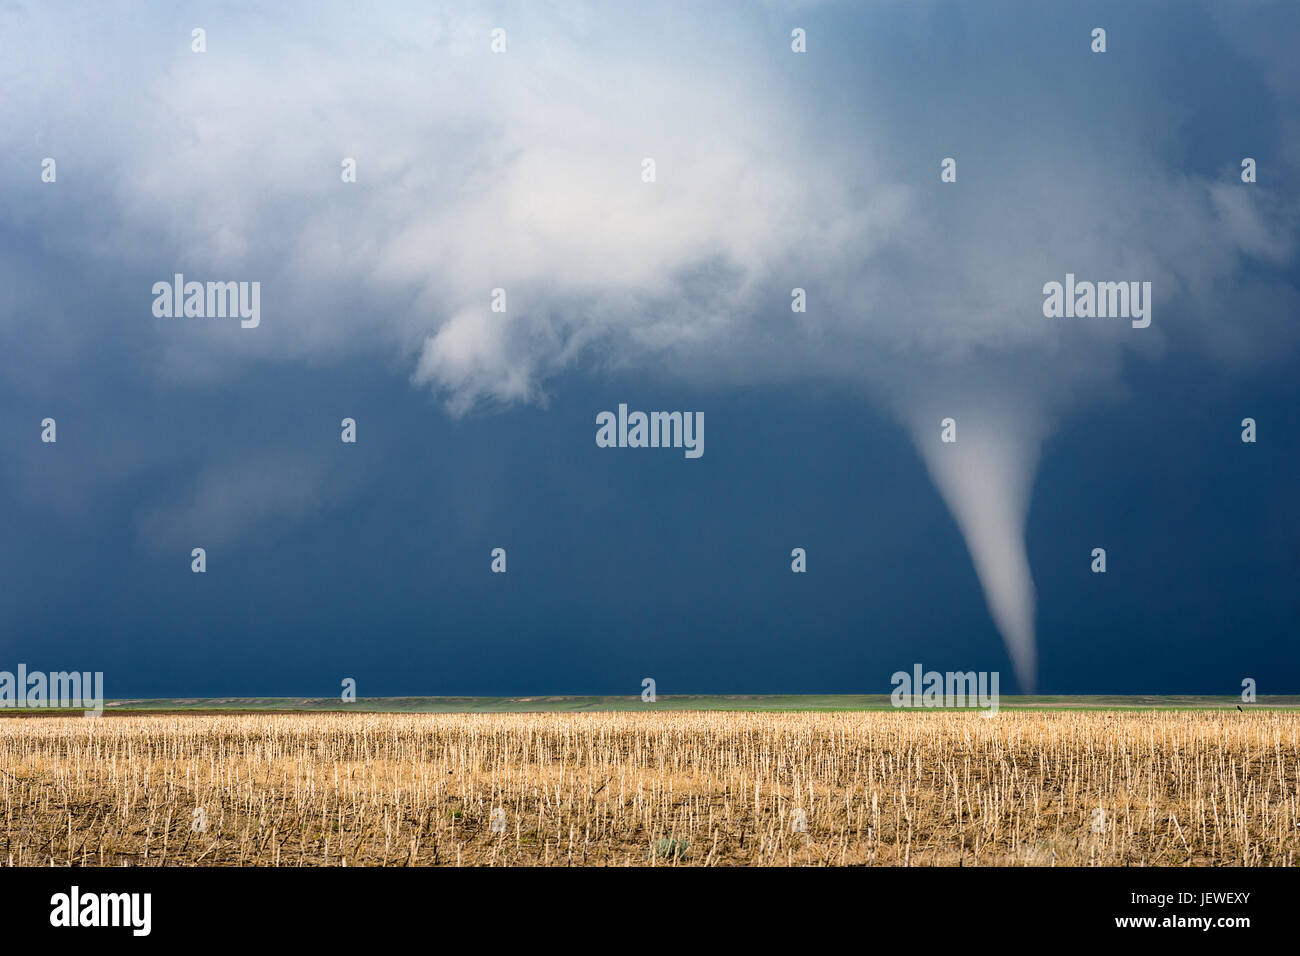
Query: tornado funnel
985	477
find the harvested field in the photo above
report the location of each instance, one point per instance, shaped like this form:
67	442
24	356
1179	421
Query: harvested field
665	788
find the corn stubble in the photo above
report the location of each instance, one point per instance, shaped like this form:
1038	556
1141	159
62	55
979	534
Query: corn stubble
653	789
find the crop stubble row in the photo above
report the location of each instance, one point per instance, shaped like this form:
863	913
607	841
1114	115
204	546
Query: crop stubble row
655	788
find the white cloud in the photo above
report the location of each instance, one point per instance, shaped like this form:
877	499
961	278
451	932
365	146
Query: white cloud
522	171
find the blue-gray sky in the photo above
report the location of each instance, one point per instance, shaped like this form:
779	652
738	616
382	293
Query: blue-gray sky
775	170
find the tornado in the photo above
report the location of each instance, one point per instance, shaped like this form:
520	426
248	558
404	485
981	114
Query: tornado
985	478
